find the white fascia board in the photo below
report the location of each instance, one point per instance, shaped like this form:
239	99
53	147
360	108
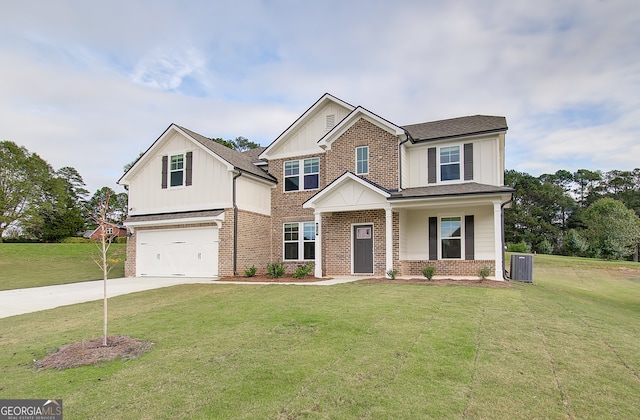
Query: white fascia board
449	201
310	203
301	119
166	222
124	180
211	153
355	115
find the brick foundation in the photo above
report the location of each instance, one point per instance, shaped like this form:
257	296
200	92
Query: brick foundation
466	268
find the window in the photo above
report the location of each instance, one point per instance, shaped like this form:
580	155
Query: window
362	160
176	171
450	163
296	245
451	237
310	174
108	231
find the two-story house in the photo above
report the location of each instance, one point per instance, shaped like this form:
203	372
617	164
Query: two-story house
341	188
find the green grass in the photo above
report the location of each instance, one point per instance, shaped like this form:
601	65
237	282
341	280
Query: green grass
33	265
564	347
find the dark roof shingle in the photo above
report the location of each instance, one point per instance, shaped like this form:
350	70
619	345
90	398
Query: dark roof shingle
456	127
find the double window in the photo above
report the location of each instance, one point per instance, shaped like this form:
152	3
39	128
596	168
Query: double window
362	160
450	163
303	174
299	241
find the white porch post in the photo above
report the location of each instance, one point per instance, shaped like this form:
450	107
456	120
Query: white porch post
497	227
389	239
318	260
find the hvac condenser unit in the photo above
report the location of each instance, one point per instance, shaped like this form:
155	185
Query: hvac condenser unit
521	267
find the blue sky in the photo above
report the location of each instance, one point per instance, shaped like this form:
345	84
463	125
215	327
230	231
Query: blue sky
92	84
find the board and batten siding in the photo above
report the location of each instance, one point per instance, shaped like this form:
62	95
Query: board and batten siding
487	164
211	182
303	141
253	195
414	231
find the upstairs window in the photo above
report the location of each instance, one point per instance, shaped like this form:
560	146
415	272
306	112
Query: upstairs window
362	160
310	174
176	171
450	163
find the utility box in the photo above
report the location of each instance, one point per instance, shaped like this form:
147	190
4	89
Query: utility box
521	267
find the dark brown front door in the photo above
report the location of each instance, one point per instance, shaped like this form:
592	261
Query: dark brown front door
363	249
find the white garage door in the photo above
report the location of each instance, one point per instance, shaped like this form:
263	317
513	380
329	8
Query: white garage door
177	252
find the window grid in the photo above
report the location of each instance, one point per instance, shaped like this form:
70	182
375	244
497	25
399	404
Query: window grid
450	163
362	160
451	237
176	171
296	245
310	174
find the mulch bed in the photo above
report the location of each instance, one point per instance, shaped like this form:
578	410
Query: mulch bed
91	352
422	281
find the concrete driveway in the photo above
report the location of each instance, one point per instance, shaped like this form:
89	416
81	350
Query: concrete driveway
22	301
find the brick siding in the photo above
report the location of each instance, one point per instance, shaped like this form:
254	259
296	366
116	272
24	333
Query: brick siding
466	268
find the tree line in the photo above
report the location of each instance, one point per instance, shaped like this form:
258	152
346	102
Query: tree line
582	213
42	204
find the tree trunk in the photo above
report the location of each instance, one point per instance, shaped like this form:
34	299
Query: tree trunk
635	253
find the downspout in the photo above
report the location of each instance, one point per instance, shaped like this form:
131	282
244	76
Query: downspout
235	225
400	159
504	263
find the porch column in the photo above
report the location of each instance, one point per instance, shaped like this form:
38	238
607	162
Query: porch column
497	227
318	260
389	239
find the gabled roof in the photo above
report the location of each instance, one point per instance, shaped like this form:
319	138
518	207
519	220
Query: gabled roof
324	99
238	160
355	115
347	177
456	127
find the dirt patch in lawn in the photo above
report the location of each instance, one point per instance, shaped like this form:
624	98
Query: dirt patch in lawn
91	352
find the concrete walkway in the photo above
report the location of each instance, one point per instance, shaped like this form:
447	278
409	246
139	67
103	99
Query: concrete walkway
22	301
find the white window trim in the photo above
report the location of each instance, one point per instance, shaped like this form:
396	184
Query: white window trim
300	175
300	240
368	160
439	164
440	238
184	169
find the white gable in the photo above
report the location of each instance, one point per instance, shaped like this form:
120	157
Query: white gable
348	193
303	136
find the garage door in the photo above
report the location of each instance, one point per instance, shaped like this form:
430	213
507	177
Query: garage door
177	252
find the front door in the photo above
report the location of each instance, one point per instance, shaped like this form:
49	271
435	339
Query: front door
363	249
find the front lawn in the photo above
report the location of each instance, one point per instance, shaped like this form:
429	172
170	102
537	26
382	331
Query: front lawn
564	347
33	265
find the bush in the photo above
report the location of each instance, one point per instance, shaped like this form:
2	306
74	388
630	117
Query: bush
519	247
251	271
484	272
392	273
76	240
303	271
545	247
574	244
275	270
429	271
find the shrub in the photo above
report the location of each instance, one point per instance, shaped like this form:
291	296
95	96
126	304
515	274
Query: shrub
429	271
519	247
484	272
545	247
575	244
251	271
392	273
275	270
303	271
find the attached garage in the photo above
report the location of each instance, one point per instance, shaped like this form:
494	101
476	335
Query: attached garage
185	252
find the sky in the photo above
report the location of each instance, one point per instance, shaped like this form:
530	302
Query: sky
92	84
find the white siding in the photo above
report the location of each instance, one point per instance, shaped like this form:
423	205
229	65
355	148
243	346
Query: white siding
487	161
211	187
414	231
253	195
303	139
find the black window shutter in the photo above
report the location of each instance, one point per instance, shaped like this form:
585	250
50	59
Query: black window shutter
431	165
189	177
433	238
468	161
165	170
469	248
